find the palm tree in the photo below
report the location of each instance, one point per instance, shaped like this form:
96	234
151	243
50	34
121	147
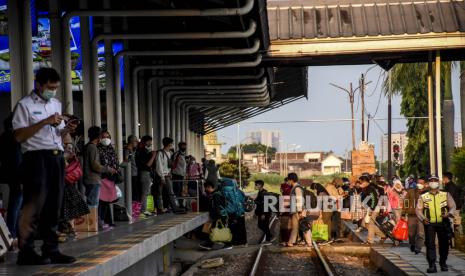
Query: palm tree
462	97
410	81
448	115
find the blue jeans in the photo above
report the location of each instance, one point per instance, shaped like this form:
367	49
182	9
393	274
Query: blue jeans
92	194
15	200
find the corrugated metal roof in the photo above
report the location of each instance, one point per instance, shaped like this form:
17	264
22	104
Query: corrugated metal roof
374	18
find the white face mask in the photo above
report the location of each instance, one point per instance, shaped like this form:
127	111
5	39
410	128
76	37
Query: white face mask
420	186
105	141
434	185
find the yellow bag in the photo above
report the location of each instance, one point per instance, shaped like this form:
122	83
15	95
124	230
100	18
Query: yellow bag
220	233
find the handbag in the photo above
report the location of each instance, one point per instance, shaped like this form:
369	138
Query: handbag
220	233
73	172
108	191
320	231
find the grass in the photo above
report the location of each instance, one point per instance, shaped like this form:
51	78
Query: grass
273	181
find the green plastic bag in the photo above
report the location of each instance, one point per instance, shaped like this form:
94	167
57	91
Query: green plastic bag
150	204
320	232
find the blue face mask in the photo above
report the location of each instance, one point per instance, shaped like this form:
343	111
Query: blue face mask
47	94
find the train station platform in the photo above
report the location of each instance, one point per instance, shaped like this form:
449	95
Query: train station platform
399	260
144	248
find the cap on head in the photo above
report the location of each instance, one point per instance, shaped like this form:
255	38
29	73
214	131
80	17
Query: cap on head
433	178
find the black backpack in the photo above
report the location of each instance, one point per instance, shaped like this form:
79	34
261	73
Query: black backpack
309	194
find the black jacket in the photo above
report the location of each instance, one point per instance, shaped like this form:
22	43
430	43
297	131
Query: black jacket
456	193
371	191
260	202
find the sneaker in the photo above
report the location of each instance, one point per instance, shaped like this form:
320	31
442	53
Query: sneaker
58	258
412	248
147	214
358	230
206	246
31	258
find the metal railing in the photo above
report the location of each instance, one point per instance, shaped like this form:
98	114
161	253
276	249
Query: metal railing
197	195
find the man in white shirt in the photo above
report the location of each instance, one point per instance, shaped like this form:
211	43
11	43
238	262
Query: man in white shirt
39	126
162	181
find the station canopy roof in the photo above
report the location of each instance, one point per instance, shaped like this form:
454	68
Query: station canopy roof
362	31
219	88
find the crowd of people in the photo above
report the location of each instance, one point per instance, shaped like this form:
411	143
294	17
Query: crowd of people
55	178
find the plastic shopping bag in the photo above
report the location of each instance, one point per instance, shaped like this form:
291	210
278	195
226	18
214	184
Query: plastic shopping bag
320	231
150	204
400	231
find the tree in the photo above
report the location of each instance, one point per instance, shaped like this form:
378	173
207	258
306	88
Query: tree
252	148
458	165
410	80
230	169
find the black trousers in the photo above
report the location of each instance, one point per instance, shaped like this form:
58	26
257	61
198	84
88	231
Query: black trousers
431	230
43	188
264	225
238	230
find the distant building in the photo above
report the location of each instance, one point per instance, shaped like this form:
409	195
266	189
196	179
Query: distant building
397	138
212	147
458	139
308	163
266	137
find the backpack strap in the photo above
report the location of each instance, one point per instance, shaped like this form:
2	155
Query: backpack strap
176	160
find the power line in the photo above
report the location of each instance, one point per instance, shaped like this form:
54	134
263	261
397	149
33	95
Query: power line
330	120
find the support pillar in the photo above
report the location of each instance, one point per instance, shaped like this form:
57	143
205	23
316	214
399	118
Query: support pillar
142	107
161	115
87	95
432	155
66	78
149	113
438	114
118	109
95	87
135	107
109	88
128	98
56	40
20	44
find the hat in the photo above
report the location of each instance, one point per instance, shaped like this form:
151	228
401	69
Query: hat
433	178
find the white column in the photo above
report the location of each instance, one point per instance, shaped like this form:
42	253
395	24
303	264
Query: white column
87	95
110	96
20	44
128	98
438	114
56	41
118	110
95	86
149	112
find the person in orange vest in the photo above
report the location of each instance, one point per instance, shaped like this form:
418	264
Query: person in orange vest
434	209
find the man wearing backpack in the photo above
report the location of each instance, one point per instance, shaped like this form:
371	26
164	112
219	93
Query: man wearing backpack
179	169
163	177
297	207
234	210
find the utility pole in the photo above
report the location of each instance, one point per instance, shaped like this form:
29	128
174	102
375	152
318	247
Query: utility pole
351	93
362	95
389	128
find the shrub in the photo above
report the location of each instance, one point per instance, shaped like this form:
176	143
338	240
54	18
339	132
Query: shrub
458	165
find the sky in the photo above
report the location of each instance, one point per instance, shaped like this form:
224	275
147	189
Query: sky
327	102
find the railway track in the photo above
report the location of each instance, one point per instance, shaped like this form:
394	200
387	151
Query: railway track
295	263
